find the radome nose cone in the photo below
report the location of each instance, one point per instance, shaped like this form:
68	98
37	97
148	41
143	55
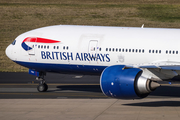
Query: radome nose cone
8	52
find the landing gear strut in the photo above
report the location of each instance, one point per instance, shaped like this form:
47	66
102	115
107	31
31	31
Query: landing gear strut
42	87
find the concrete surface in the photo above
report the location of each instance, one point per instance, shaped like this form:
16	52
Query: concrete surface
89	109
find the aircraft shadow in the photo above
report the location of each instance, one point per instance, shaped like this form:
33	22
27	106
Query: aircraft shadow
86	88
156	104
167	91
161	92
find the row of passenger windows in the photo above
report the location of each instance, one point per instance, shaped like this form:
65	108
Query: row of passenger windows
43	46
140	50
47	47
64	47
124	50
171	52
116	49
167	52
154	51
94	49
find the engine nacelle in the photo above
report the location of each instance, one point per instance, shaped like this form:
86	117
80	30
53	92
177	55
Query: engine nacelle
118	82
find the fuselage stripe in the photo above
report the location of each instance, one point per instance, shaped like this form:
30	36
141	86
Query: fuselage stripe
39	40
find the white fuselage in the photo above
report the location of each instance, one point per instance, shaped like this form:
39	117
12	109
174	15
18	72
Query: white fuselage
90	48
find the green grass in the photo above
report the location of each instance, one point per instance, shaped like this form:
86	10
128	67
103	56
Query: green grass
18	16
161	13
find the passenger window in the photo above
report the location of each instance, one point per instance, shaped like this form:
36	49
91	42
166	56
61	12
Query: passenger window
173	52
129	50
67	47
109	49
116	49
152	51
156	51
64	47
99	49
113	49
143	50
126	50
139	50
176	52
159	51
122	50
41	46
38	46
119	50
133	50
44	47
169	52
136	50
166	52
47	47
106	49
54	47
149	51
57	47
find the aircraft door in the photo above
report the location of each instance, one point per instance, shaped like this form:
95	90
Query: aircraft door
32	45
93	47
92	50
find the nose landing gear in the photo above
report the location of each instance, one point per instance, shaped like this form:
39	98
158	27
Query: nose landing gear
42	87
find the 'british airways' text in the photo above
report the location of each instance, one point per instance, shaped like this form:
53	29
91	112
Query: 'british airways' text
76	56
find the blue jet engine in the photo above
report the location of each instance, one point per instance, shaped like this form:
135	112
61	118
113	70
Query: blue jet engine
125	83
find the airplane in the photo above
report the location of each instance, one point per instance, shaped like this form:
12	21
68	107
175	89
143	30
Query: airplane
129	60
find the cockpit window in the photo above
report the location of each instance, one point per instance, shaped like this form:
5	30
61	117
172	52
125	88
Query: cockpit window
14	42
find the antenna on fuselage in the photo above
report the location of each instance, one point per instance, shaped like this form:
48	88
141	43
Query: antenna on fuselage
142	26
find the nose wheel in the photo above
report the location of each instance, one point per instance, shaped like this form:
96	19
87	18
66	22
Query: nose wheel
42	87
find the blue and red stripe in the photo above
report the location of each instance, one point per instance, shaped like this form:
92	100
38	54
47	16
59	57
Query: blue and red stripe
37	40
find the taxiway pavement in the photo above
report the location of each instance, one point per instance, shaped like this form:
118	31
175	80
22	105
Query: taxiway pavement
80	98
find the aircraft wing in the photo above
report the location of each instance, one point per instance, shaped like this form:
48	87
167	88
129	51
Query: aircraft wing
165	65
166	68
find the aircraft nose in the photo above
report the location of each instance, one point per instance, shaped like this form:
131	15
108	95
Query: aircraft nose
9	52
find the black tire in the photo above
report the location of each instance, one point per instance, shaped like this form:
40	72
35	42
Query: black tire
42	87
46	87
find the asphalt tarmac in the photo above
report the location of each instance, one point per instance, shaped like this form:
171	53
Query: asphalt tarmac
24	86
80	98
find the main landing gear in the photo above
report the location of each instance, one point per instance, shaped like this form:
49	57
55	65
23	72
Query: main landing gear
42	87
